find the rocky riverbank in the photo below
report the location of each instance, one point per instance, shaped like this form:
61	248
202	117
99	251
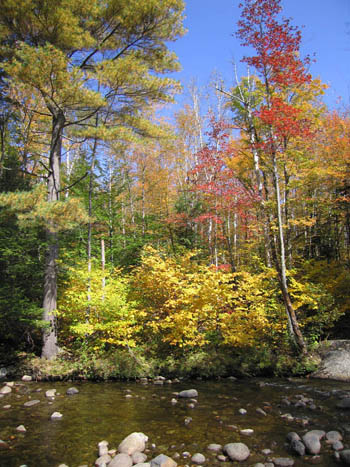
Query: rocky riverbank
241	413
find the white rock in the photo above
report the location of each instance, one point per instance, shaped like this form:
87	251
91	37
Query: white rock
26	378
21	428
56	416
133	443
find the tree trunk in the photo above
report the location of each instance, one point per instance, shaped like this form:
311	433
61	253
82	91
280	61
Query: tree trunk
50	347
295	332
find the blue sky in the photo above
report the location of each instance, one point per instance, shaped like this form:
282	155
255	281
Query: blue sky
210	45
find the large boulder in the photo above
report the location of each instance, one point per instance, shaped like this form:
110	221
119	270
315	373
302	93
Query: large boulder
335	361
135	442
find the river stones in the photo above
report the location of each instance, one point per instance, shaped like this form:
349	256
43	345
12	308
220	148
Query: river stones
102	448
188	393
133	443
198	458
72	391
103	460
242	411
344	403
26	378
345	456
139	457
298	447
283	462
31	403
5	390
214	447
333	436
121	460
291	436
21	428
247	431
163	461
50	393
56	416
312	443
237	451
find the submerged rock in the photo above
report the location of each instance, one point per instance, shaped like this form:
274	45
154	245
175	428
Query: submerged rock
188	393
31	403
72	391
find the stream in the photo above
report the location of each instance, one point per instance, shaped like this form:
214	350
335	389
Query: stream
112	410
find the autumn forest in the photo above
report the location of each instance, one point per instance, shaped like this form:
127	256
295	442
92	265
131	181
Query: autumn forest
213	240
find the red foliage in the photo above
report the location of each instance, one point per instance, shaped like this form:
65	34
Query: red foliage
276	43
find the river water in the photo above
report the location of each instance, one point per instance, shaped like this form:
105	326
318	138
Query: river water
105	411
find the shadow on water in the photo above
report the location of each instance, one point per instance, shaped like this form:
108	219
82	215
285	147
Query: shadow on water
102	411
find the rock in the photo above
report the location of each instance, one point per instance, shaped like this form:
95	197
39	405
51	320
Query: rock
221	458
333	436
173	401
121	460
133	443
214	447
242	411
237	451
138	457
344	403
72	391
102	448
3	372
7	406
50	393
283	462
56	416
312	443
143	464
26	378
232	378
337	446
188	393
162	461
320	433
3	444
345	456
198	458
5	390
259	464
247	432
261	411
103	460
291	436
31	403
21	428
335	363
298	447
266	452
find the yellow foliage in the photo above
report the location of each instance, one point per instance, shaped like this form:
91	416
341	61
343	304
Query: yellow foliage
94	305
190	304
